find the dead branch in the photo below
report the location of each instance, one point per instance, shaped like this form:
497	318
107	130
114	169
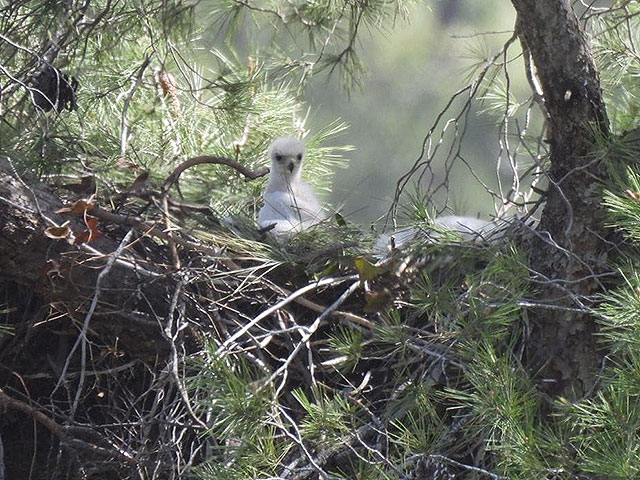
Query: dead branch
60	431
208	159
148	228
312	286
175	258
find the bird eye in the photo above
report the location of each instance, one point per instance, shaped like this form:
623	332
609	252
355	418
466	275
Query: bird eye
299	157
278	157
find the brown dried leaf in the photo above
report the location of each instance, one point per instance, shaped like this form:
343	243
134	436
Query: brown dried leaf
378	301
87	184
92	232
79	207
140	183
168	84
123	163
632	195
59	233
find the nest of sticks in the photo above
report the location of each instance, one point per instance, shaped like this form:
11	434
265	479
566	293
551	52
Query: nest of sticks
132	305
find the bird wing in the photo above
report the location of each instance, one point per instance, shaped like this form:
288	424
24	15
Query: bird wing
308	204
277	206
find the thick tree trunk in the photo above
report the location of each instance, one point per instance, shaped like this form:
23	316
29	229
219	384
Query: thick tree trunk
569	251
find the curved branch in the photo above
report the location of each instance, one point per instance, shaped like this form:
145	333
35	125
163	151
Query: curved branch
204	159
59	431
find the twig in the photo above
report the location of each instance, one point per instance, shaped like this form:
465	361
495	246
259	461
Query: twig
316	307
124	127
450	461
130	264
309	331
149	194
148	228
175	259
171	332
208	159
52	425
282	303
82	338
297	438
59	431
106	371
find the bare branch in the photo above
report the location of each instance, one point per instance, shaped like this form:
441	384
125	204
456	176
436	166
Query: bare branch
207	159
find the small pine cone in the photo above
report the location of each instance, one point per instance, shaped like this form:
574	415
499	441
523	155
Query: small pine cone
169	88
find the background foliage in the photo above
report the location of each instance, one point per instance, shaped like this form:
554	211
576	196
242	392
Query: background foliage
406	367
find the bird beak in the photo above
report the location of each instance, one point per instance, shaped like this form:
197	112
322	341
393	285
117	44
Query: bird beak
290	167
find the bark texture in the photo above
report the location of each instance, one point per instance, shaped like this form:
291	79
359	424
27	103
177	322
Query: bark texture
569	251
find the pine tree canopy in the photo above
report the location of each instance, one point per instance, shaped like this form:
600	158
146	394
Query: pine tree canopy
149	329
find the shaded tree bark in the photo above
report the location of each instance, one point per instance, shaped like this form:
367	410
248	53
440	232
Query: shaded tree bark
569	251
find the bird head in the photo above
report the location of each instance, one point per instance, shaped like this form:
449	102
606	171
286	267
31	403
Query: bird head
286	155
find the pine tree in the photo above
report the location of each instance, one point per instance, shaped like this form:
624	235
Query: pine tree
149	330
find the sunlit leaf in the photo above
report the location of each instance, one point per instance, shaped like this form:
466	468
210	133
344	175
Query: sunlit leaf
76	208
366	270
92	232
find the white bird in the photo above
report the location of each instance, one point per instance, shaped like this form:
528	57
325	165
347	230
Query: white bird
468	228
290	205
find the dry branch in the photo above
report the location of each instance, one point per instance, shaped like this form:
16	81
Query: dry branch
208	159
60	431
116	316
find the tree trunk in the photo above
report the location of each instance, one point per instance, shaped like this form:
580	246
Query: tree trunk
568	252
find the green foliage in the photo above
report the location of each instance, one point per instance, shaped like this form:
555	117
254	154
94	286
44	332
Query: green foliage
143	106
606	435
241	412
624	206
615	36
239	400
461	325
347	345
440	372
480	299
327	418
499	101
250	461
604	426
422	427
302	39
505	411
620	314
